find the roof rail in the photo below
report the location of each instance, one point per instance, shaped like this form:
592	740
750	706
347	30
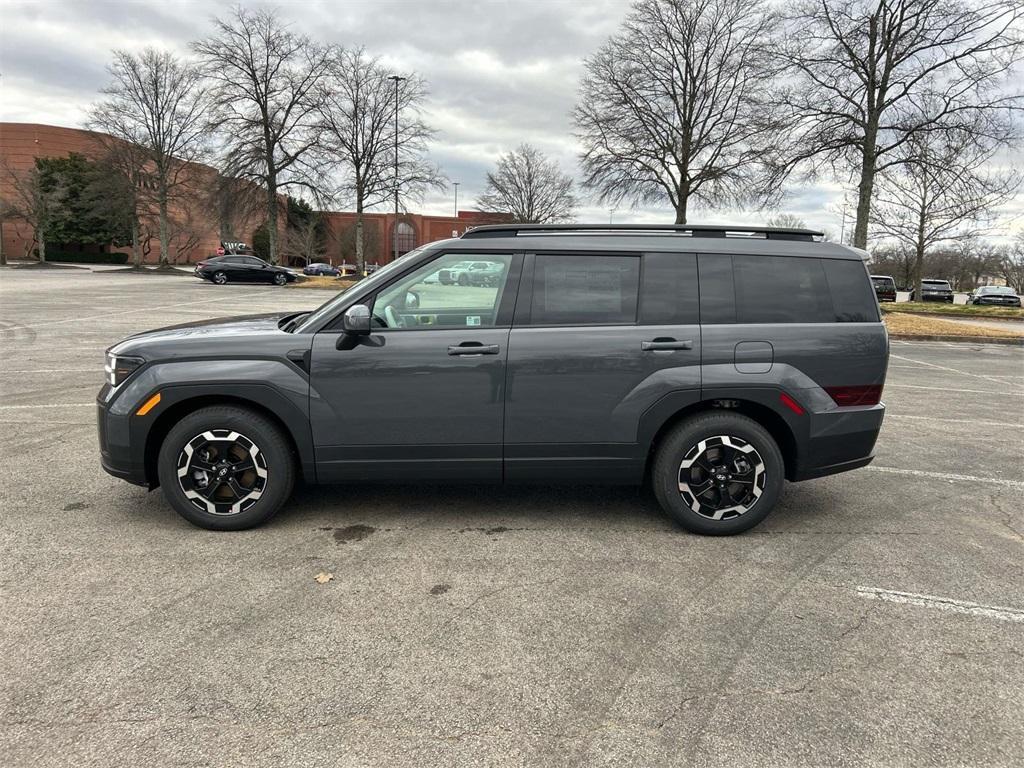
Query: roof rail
688	230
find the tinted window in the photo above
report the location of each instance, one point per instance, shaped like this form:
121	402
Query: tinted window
883	282
585	290
781	289
852	296
252	261
717	297
669	292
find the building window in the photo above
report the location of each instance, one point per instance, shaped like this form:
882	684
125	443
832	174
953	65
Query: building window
405	237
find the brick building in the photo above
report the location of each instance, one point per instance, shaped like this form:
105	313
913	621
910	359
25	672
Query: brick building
198	228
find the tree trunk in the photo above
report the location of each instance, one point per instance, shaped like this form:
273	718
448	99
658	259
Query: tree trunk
866	186
360	244
272	221
165	240
42	247
136	250
3	253
681	207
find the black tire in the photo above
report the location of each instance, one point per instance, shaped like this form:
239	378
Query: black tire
684	439
220	278
273	455
463	279
280	278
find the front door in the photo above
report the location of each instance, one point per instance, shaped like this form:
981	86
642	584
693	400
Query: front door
421	398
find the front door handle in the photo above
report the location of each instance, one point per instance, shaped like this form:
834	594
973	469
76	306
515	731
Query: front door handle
665	343
473	348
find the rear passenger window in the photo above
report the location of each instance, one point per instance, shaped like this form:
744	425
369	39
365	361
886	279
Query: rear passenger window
852	293
781	289
585	290
669	294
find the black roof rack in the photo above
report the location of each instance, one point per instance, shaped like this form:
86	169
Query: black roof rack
688	230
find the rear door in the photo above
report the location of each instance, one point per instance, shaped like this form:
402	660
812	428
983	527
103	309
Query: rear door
598	340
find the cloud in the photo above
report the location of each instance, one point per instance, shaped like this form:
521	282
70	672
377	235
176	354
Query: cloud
499	73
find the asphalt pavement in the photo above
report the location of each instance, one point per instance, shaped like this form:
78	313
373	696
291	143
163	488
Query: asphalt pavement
876	618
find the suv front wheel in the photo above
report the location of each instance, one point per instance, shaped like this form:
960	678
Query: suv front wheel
718	473
226	468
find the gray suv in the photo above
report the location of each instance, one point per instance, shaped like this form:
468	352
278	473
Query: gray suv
709	362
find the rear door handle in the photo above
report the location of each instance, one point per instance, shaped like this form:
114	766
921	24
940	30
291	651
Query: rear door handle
659	344
473	348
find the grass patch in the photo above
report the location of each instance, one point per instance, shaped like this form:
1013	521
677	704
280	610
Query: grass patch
954	310
322	282
916	325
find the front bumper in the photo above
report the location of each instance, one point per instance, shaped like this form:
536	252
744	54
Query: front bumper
118	456
838	441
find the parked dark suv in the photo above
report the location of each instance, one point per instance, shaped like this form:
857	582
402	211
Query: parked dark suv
711	363
885	287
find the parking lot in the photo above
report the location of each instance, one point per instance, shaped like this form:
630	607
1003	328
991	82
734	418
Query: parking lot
876	618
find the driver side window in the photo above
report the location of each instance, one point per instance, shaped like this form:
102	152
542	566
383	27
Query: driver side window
456	290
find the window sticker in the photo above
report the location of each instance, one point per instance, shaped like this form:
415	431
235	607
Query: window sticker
473	320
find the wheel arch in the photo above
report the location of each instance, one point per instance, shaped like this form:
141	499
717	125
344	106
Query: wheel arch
776	425
188	403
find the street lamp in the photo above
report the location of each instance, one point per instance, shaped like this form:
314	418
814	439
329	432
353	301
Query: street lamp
394	232
456	183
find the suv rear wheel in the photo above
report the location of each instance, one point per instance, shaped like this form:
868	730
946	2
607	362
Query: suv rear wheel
718	473
226	468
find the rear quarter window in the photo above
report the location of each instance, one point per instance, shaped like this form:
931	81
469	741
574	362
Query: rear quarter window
853	298
781	289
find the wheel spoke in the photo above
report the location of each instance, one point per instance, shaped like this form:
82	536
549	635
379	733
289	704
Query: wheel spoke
210	489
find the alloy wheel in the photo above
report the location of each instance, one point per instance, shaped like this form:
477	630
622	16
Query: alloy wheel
721	477
220	278
222	472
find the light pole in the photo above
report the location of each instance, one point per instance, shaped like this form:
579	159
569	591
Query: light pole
456	183
394	232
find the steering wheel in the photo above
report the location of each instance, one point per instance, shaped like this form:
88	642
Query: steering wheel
391	317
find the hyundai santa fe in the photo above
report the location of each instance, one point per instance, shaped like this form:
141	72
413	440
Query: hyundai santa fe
713	364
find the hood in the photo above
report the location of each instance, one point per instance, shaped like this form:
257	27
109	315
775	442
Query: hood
200	332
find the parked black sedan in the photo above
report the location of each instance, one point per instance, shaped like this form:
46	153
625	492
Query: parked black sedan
242	269
997	295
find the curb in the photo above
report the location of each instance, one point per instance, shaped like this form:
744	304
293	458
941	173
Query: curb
1019	342
948	315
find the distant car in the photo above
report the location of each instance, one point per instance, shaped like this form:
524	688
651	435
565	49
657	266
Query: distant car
885	287
326	270
477	273
998	295
934	290
235	268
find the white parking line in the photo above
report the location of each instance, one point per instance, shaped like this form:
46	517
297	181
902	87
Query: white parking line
133	311
94	369
947	368
51	405
948	476
954	389
943	604
979	422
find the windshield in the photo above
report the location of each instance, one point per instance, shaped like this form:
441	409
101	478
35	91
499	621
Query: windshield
935	284
883	282
381	275
997	289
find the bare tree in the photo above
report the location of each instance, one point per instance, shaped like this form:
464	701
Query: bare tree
124	166
265	86
34	198
359	110
157	102
1012	264
673	107
939	190
529	187
788	220
859	72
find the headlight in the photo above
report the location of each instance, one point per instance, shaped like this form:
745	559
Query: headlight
120	367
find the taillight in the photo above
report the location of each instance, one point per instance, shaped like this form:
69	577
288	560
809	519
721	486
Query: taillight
865	394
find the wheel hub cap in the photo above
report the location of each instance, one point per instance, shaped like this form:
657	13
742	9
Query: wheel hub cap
721	477
222	472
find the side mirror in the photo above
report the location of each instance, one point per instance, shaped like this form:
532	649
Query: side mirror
412	300
356	319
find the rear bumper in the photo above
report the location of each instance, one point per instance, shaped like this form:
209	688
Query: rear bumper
839	441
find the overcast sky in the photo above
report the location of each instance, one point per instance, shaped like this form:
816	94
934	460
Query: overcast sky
500	73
